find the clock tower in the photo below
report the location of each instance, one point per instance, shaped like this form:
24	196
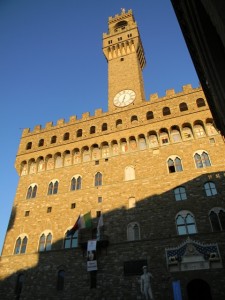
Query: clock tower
123	50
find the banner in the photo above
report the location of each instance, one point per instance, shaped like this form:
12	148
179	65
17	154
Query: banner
176	290
91	256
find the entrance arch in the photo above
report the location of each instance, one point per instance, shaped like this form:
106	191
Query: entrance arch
198	289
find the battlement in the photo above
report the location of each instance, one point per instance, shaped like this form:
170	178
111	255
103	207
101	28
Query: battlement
86	116
186	89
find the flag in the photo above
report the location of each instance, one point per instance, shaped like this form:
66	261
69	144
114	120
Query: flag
100	224
86	220
75	227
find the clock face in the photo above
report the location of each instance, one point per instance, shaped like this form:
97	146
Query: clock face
124	98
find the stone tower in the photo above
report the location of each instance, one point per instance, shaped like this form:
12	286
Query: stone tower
123	50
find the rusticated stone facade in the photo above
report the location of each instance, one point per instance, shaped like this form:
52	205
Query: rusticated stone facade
158	159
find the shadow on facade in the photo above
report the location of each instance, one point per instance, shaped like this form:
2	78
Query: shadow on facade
120	261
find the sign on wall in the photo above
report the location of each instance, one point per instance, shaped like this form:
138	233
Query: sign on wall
91	256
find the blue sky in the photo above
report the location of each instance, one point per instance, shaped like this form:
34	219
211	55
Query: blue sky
52	66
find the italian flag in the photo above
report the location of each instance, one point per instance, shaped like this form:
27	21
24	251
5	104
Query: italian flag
83	221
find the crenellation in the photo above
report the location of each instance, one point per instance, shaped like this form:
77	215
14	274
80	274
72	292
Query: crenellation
73	119
25	132
85	116
98	112
48	125
37	129
187	88
170	93
60	122
154	97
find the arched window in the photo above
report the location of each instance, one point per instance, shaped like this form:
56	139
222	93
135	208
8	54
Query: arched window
199	131
174	165
76	183
211	130
98	179
19	285
129	173
104	127
66	136
217	219
185	223
92	129
41	143
32	191
202	159
175	135
153	140
183	106
29	146
210	188
134	119
71	241
166	111
21	245
180	193
164	137
79	133
187	133
45	242
60	280
119	123
53	187
133	231
149	115
53	139
200	102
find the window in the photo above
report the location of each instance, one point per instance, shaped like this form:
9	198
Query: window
217	219
210	188
200	102
99	199
76	183
98	214
153	140
19	285
211	129
27	213
174	165
129	173
149	115
45	242
175	135
180	193
21	245
53	187
185	223
134	119
41	143
98	179
60	280
73	205
199	131
202	159
31	192
79	133
92	129
183	106
71	241
187	133
104	127
66	136
49	209
166	111
133	232
119	123
29	146
164	137
53	139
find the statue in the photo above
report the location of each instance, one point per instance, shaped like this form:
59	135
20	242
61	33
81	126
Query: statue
123	10
146	289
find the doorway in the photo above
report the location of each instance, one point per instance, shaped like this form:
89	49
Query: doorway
198	289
